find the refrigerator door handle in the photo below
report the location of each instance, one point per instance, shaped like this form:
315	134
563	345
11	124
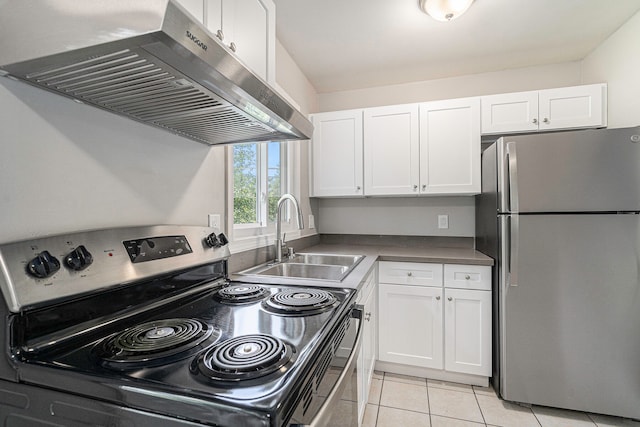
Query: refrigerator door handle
512	168
514	232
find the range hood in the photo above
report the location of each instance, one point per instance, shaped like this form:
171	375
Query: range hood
147	60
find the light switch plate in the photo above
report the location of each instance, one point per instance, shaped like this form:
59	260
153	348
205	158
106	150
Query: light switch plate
214	221
312	222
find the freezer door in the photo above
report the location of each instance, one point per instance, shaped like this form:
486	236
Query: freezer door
580	171
570	310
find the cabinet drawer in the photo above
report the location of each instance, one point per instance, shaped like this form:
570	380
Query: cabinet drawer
467	276
410	273
367	287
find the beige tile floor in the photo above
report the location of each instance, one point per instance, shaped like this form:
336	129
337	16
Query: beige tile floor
399	401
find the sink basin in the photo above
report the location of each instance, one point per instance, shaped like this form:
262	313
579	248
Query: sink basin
330	267
307	271
326	259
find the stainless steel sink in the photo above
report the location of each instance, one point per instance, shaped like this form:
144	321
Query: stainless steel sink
330	267
326	259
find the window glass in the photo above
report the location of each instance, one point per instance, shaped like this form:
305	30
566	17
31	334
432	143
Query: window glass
259	179
245	184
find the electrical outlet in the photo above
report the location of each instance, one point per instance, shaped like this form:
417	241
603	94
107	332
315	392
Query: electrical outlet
443	221
312	221
214	221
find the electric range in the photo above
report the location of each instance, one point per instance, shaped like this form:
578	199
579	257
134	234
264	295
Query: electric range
141	326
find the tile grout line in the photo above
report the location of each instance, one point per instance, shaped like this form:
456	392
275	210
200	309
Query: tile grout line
475	396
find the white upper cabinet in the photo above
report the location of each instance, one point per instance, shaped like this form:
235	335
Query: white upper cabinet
247	27
552	109
450	147
391	150
573	107
336	149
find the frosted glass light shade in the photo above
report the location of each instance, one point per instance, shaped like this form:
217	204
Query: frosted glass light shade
445	10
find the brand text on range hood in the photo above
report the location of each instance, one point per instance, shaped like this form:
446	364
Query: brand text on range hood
147	60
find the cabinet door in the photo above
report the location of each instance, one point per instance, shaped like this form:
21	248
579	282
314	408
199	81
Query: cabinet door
391	150
410	325
450	147
337	154
248	26
368	353
510	113
573	107
467	342
194	7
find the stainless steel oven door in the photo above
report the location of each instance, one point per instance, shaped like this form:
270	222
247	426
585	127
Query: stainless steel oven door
335	404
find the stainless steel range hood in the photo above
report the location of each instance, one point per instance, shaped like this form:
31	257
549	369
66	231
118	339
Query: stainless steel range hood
147	60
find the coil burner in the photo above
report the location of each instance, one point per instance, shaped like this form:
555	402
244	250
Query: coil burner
301	301
240	294
245	357
156	341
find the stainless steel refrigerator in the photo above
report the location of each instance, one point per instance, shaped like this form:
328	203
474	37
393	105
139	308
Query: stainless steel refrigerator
559	212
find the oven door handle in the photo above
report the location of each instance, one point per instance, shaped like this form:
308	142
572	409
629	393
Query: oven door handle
324	413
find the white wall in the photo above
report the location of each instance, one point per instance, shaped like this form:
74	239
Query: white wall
290	78
617	62
397	216
516	80
406	216
68	167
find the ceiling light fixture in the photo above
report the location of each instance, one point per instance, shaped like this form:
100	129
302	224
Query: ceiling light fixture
445	10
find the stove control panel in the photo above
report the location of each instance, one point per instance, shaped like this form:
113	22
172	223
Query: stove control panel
36	272
152	248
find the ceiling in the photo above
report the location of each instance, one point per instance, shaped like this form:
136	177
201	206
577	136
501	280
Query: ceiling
353	44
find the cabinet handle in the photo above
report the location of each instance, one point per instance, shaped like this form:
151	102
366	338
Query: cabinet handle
546	120
220	35
467	277
535	121
409	274
232	46
438	298
450	299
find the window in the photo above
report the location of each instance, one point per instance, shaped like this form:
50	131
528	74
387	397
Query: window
259	179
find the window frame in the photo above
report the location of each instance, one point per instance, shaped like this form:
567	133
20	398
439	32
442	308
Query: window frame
261	233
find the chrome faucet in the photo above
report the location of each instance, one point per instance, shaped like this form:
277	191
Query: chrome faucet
279	242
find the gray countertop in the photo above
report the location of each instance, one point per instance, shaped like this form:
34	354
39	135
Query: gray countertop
372	254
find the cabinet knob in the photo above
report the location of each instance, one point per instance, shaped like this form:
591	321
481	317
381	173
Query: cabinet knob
535	121
450	299
467	277
358	188
546	120
438	298
409	274
220	35
424	186
367	317
415	187
232	46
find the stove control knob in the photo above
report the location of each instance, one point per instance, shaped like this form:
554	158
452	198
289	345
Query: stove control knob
79	259
43	265
222	239
214	241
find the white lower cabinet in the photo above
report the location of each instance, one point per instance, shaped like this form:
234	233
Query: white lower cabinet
467	325
437	328
367	358
411	325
